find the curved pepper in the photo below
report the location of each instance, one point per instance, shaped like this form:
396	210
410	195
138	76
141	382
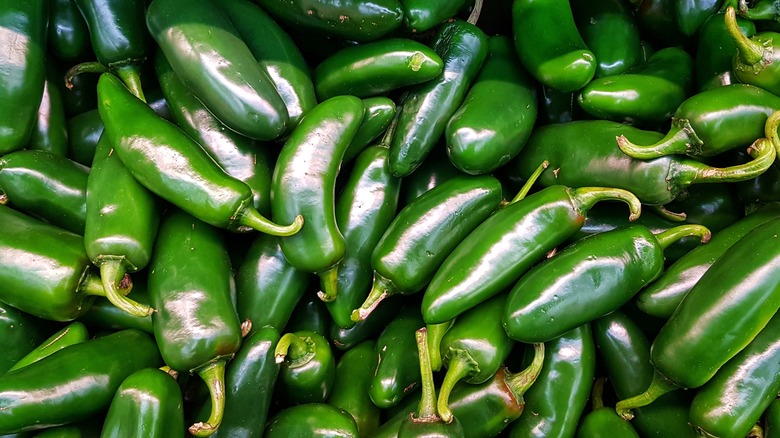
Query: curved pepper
68	37
104	315
354	372
313	420
715	49
84	131
398	372
50	132
422	15
507	244
602	421
308	369
370	328
610	31
310	314
167	162
74	333
20	334
757	58
378	116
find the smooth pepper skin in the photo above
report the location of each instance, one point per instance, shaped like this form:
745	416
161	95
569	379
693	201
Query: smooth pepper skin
422	15
104	315
610	31
171	165
73	333
148	403
46	186
425	109
50	132
550	46
612	266
376	68
555	402
354	372
715	50
733	401
772	419
84	131
308	369
507	244
602	421
756	59
378	114
354	20
398	371
68	37
20	334
208	54
310	314
304	183
313	420
663	295
495	119
44	269
73	383
716	206
22	69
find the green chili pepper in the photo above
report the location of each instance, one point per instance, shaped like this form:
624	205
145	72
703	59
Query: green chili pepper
560	59
658	21
148	403
557	106
378	115
354	372
239	156
121	225
304	184
732	401
167	162
84	131
435	170
73	383
772	419
68	37
351	19
120	46
398	372
20	334
583	153
376	68
73	333
715	49
313	420
720	306
46	186
424	233
426	422
602	421
104	315
624	350
610	31
764	188
422	15
22	69
716	206
195	323
692	14
249	382
308	369
612	266
507	244
480	139
555	402
207	53
473	349
365	209
647	93
712	122
310	314
757	57
50	132
425	109
369	328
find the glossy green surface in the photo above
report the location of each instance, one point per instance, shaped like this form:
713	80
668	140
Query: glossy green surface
310	314
610	31
715	50
84	131
604	423
757	57
313	420
73	333
422	15
398	370
238	91
20	334
377	116
125	40
104	315
716	206
148	403
369	328
50	132
68	37
308	369
691	14
354	372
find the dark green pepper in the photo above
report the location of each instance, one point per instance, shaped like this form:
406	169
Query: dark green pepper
422	15
22	69
104	315
398	371
772	419
84	131
610	31
354	372
612	267
313	420
691	14
479	138
507	244
378	115
50	132
435	170
756	60
310	314
658	22
304	183
560	59
20	334
73	333
208	54
73	383
148	404
195	323
308	369
68	37
46	186
716	206
369	328
602	421
425	109
715	49
167	162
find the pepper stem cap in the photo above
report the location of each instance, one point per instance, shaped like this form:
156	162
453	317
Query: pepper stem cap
214	376
681	139
459	366
659	386
115	283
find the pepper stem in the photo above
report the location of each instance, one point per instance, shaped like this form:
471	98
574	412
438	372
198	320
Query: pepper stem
84	67
756	432
329	283
761	10
474	16
460	366
597	393
669	215
584	198
681	139
214	376
112	272
92	284
294	347
426	410
762	150
750	54
249	217
668	237
130	75
519	383
380	289
658	387
529	183
435	334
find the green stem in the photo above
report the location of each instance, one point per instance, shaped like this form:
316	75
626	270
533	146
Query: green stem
529	183
380	289
92	284
112	272
669	215
597	393
130	75
681	139
474	16
459	366
756	432
249	217
761	10
214	376
426	410
658	387
294	349
329	283
436	333
84	67
762	150
519	383
387	138
668	237
749	53
584	198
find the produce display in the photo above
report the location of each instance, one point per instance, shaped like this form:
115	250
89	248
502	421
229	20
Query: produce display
389	218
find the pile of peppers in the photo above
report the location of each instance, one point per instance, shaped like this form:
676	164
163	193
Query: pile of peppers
389	218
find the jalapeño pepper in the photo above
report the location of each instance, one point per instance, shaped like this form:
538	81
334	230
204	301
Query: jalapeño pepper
68	37
354	372
378	115
756	60
308	369
602	421
398	372
73	333
312	420
50	132
20	334
422	15
715	49
609	30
